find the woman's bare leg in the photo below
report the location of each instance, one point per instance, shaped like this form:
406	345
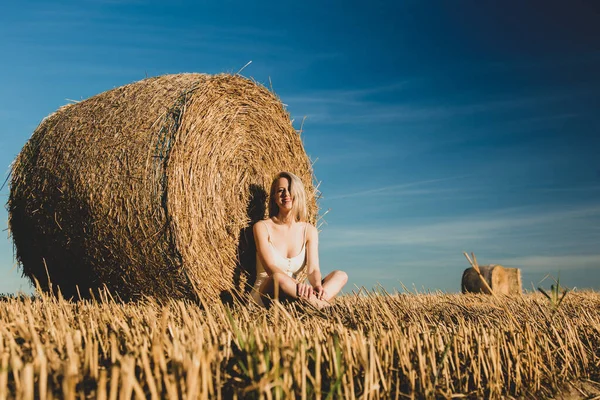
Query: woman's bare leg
333	283
283	287
279	286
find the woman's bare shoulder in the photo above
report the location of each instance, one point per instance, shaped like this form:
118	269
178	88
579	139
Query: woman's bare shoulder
260	225
311	230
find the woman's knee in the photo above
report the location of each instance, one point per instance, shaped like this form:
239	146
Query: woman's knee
341	276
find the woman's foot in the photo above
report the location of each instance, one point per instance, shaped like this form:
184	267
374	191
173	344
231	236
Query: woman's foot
317	303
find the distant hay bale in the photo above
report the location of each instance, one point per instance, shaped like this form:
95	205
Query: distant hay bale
515	284
501	280
150	188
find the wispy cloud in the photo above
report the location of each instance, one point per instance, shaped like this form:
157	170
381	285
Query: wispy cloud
366	154
103	15
429	253
556	263
353	107
399	189
512	226
112	31
583	189
348	97
448	268
539	63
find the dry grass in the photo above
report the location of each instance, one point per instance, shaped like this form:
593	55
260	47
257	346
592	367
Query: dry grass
150	188
367	346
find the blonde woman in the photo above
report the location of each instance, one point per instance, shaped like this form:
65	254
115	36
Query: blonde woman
286	244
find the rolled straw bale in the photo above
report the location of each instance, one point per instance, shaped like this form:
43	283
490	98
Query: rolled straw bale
515	285
501	280
149	188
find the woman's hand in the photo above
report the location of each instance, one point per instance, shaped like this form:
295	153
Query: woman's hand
304	291
319	292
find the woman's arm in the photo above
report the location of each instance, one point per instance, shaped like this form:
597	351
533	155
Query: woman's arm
312	258
261	238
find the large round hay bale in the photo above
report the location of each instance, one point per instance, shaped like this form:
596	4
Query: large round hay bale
148	188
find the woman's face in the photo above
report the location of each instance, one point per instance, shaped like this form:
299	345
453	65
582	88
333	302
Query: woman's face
283	197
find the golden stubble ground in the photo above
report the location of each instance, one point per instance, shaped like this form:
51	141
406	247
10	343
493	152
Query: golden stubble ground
368	345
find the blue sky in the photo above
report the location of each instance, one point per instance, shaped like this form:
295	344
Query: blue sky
437	127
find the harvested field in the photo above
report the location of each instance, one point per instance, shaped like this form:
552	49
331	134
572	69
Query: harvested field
365	346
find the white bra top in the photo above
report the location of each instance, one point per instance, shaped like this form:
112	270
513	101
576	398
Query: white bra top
290	266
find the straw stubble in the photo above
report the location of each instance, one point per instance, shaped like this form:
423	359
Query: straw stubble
438	346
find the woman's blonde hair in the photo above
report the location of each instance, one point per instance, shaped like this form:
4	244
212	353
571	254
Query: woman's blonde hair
298	196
